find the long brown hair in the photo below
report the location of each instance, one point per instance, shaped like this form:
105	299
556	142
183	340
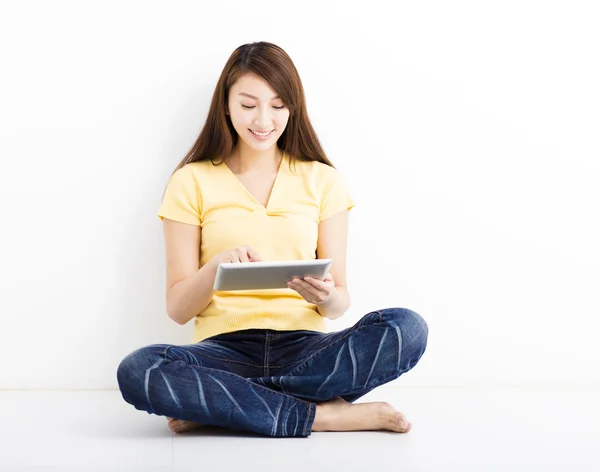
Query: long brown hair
218	137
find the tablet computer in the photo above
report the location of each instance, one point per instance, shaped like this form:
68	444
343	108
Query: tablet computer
267	274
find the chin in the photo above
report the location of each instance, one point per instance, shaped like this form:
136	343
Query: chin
260	145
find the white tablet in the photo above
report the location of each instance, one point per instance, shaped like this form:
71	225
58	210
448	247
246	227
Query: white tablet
267	274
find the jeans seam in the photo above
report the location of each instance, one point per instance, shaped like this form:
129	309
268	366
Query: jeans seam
266	357
310	406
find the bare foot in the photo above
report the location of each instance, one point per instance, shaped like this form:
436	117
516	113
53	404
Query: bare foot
181	426
339	415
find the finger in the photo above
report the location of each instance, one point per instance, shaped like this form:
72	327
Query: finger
294	284
320	285
322	290
242	254
310	290
254	256
327	278
301	291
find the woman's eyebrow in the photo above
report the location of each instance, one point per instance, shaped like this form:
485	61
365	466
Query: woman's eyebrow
252	96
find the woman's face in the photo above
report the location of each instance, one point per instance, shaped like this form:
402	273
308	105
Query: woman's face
254	107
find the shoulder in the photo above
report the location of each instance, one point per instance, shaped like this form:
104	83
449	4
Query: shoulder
315	169
198	167
194	172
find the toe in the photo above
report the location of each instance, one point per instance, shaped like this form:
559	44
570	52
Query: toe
402	423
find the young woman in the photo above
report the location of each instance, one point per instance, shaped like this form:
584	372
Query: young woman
256	185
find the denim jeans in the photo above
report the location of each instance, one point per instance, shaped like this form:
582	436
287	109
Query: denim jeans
267	381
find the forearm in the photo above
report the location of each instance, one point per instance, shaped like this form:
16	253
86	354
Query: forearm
336	305
191	296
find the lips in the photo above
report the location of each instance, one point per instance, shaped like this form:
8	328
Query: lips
263	134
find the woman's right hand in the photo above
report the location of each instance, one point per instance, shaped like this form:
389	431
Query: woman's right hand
238	254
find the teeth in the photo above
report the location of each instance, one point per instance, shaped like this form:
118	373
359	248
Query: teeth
262	135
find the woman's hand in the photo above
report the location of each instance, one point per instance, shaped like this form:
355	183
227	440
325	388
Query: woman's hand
314	290
238	254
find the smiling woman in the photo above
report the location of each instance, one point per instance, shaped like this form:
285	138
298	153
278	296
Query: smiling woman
253	362
263	119
257	112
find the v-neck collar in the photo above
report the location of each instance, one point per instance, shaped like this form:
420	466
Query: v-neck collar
269	205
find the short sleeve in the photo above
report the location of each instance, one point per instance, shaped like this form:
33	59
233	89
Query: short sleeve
182	200
336	196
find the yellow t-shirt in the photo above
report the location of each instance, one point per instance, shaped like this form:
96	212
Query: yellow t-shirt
211	196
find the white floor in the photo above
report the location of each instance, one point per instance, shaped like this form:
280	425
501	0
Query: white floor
453	430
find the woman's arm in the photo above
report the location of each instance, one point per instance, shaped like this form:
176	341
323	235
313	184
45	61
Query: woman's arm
189	286
331	244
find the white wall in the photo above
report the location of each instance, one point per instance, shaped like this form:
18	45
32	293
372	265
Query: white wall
467	132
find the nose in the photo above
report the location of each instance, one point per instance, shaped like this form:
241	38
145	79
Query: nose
263	119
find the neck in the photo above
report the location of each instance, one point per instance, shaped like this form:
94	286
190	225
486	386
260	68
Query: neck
245	159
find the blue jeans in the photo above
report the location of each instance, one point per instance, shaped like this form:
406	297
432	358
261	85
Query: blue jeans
267	381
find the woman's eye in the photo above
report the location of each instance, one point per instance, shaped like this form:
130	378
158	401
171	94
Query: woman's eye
251	107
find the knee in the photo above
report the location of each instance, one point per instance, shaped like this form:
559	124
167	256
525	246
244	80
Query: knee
132	369
413	327
128	371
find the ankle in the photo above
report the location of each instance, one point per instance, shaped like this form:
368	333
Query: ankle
321	421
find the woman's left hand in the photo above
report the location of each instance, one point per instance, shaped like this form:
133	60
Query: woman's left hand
314	290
